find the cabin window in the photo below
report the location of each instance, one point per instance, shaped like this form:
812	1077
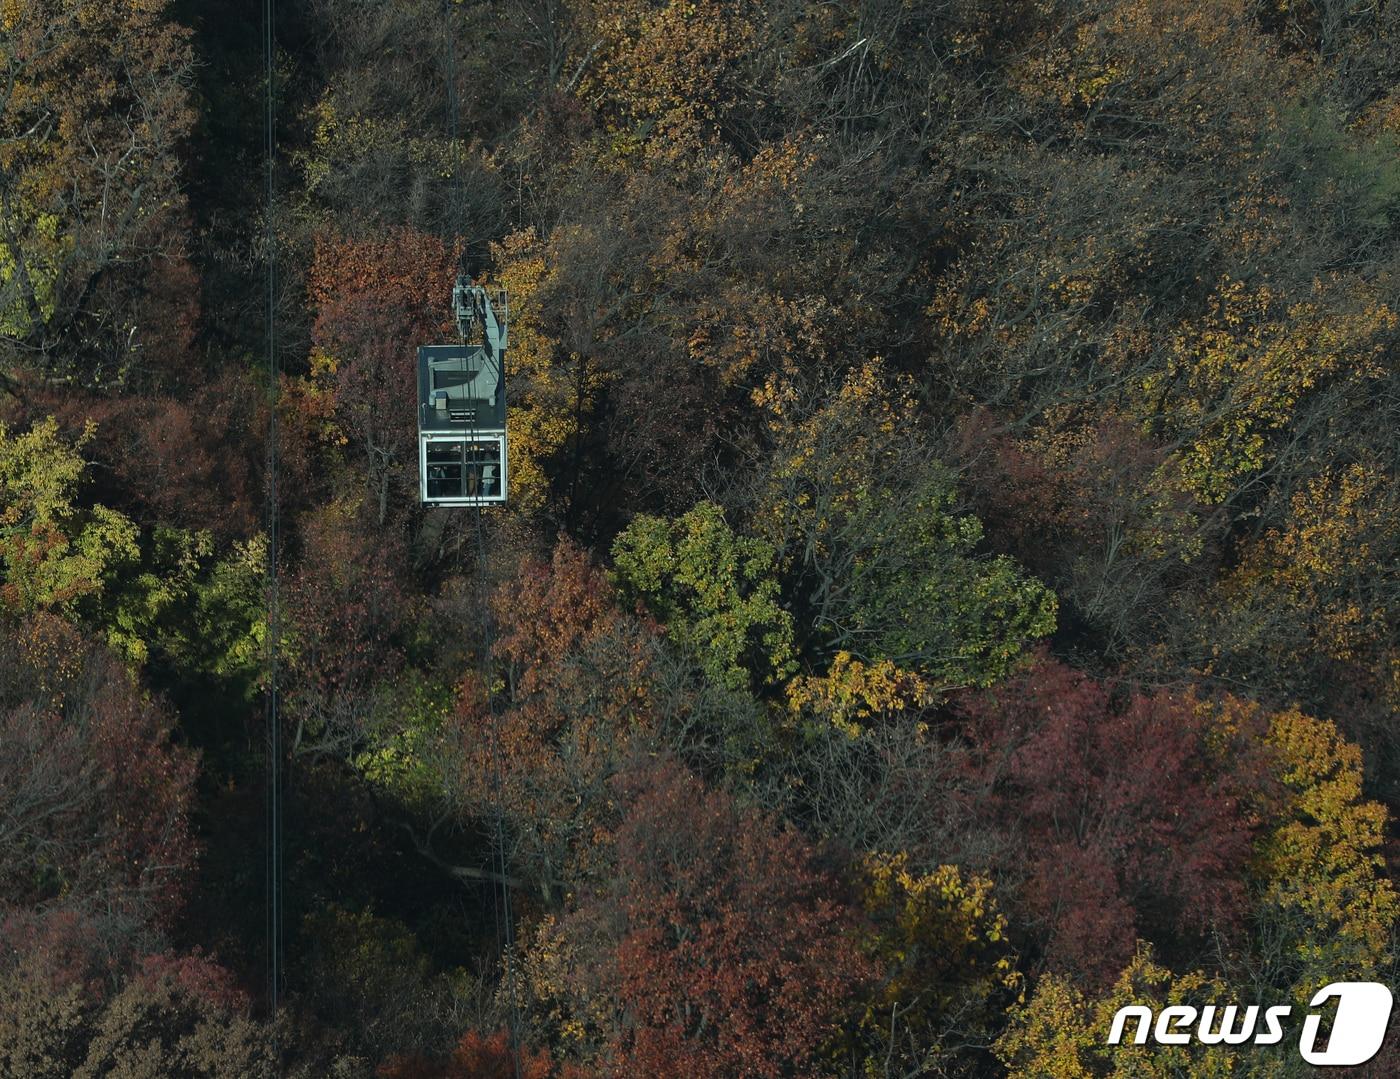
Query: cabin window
463	469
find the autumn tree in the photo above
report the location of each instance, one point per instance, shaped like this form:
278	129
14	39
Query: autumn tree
719	937
549	401
346	618
1249	367
476	1056
568	707
856	697
393	141
949	971
95	795
670	78
376	301
1311	607
1323	902
895	786
177	1016
1134	817
1083	506
598	400
659	297
56	552
1063	1031
184	461
89	180
716	593
879	560
165	592
376	981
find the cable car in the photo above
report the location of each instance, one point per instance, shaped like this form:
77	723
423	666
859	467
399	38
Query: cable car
462	405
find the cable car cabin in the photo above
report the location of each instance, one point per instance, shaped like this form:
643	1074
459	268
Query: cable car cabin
461	426
462	408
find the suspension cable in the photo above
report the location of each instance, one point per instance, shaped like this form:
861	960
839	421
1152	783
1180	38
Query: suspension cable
503	916
498	841
273	730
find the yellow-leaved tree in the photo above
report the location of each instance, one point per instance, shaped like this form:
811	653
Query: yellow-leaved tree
1326	908
547	399
54	551
669	77
1323	584
1063	1034
948	969
852	695
1236	380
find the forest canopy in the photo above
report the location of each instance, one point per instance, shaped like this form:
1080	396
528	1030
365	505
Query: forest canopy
949	587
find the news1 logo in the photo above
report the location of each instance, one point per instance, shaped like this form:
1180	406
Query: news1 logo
1358	1028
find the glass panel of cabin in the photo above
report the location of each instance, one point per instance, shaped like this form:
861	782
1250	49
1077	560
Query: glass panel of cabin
445	469
482	478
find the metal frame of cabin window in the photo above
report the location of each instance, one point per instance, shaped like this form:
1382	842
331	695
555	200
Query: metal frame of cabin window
427	479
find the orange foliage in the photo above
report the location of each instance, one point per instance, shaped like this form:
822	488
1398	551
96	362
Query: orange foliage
575	696
479	1056
737	959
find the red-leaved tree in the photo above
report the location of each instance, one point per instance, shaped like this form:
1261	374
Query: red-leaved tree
346	611
733	953
188	463
1128	816
477	1056
575	702
94	797
377	301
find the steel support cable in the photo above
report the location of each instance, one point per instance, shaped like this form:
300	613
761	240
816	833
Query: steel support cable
504	917
271	643
498	842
